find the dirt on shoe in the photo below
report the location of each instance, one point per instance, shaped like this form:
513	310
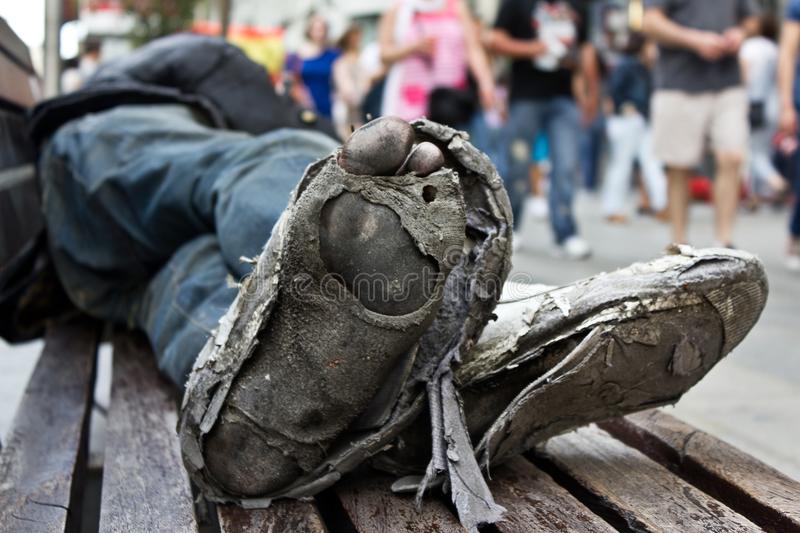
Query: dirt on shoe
369	284
607	346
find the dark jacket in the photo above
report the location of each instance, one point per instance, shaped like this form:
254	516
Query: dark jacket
631	83
206	72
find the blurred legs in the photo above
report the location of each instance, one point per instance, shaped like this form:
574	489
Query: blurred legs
726	194
678	206
623	133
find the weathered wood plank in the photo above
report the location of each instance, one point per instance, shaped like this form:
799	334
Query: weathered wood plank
642	493
537	503
42	463
373	508
742	482
145	487
282	515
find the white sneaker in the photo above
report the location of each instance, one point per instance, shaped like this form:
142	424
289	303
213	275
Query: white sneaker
536	206
793	262
574	248
516	242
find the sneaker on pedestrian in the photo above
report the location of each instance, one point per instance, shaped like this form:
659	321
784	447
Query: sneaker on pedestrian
537	207
574	248
792	261
516	242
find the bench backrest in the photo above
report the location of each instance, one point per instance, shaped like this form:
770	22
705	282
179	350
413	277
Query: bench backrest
20	217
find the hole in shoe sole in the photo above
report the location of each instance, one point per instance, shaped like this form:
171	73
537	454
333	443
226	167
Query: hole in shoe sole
365	247
429	193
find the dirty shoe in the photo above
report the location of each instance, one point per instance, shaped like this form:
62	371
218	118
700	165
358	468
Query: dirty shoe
559	358
322	357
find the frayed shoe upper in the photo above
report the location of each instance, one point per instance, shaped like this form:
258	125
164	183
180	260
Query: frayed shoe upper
434	211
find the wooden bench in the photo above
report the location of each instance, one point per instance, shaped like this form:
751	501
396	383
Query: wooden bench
647	472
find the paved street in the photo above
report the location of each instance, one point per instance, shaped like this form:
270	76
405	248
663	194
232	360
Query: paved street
751	399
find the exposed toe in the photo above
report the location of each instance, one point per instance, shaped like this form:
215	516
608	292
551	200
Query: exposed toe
424	159
378	148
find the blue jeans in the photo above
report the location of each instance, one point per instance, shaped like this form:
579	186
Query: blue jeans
591	148
559	118
490	140
149	212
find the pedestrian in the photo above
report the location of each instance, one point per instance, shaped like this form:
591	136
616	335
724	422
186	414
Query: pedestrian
430	46
82	69
790	103
547	41
628	130
759	60
351	83
699	94
311	68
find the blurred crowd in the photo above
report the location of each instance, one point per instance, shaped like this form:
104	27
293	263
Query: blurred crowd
697	102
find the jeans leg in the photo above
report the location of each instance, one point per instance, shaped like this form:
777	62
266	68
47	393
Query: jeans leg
119	201
251	196
524	122
623	133
183	303
562	123
591	147
121	191
491	140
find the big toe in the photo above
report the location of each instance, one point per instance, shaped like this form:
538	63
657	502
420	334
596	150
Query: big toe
377	148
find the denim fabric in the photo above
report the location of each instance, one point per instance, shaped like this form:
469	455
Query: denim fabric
149	211
559	118
631	82
493	141
591	150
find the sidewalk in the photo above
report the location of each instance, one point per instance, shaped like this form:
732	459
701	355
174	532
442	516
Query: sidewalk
752	398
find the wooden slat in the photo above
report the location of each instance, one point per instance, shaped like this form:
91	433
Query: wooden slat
145	487
282	515
754	489
373	508
642	493
41	466
537	503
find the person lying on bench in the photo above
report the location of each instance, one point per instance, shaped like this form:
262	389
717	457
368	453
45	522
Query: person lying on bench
367	320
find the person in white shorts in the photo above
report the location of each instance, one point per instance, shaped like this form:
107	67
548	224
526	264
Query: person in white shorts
699	98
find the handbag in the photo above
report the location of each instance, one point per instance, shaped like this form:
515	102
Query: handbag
452	107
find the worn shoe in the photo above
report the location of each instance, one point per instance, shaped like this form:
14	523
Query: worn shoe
390	256
559	358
